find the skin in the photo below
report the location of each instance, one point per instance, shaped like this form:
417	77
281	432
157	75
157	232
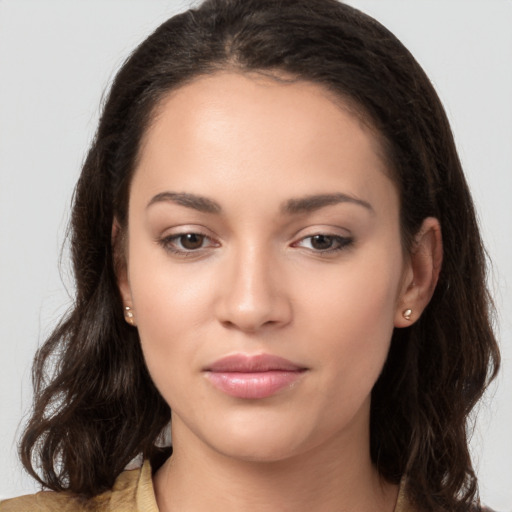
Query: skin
258	283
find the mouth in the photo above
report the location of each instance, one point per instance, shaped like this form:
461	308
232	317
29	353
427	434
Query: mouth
253	377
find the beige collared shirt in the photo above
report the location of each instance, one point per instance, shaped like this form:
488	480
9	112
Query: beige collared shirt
132	492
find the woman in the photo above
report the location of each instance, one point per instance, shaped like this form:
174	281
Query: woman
273	238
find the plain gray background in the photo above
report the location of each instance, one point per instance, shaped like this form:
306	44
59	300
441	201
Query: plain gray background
56	59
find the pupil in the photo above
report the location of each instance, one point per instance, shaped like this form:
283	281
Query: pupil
321	242
192	241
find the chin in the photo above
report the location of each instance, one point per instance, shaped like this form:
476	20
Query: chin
259	451
264	443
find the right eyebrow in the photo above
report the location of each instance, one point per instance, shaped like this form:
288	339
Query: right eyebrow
200	203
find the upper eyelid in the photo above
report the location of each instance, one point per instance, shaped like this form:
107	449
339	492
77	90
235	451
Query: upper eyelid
301	234
180	230
326	230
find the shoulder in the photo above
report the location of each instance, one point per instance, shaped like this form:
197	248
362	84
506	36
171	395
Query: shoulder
132	490
44	501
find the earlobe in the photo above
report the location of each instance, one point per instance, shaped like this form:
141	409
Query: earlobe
120	263
424	266
129	316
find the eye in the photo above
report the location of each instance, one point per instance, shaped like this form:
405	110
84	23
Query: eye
190	241
186	243
323	243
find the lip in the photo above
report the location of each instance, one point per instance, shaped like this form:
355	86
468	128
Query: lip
253	376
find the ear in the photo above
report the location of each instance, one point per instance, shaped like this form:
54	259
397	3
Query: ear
120	256
421	273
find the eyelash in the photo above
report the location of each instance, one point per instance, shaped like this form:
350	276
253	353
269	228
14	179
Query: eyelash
169	243
341	242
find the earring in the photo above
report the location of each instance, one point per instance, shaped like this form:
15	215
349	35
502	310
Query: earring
407	314
128	315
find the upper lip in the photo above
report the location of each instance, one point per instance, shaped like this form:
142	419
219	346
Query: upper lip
246	363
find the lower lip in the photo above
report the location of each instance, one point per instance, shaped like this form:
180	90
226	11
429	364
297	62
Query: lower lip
253	385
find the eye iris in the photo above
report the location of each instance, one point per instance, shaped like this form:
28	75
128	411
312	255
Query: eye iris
322	242
192	241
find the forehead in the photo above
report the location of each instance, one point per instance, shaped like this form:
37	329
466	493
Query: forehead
235	130
269	94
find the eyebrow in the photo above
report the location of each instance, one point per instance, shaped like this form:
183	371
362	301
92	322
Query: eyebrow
203	204
316	202
291	207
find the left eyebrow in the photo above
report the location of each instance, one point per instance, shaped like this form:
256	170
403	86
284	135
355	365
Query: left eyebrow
312	203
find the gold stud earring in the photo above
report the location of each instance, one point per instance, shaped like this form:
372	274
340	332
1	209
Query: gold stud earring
128	315
407	314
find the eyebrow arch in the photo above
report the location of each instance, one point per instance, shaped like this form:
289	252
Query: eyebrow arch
203	204
316	202
291	207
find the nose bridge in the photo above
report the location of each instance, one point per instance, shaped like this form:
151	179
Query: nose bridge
253	270
253	296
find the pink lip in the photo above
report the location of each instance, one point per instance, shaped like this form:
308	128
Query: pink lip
253	377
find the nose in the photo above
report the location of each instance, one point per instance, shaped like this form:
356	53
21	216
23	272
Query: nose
253	293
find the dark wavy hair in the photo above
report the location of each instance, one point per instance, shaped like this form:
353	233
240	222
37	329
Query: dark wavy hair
96	407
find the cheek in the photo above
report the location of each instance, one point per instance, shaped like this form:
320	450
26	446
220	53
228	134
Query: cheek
355	320
166	295
171	309
363	291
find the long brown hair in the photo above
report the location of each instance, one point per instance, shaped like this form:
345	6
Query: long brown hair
95	404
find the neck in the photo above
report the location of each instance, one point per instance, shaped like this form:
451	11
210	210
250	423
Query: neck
199	478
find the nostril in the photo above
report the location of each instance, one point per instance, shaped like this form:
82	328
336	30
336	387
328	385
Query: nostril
254	323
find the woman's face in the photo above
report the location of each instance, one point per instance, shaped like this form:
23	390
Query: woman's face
264	266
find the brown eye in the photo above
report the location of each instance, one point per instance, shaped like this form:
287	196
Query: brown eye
322	242
191	241
187	244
